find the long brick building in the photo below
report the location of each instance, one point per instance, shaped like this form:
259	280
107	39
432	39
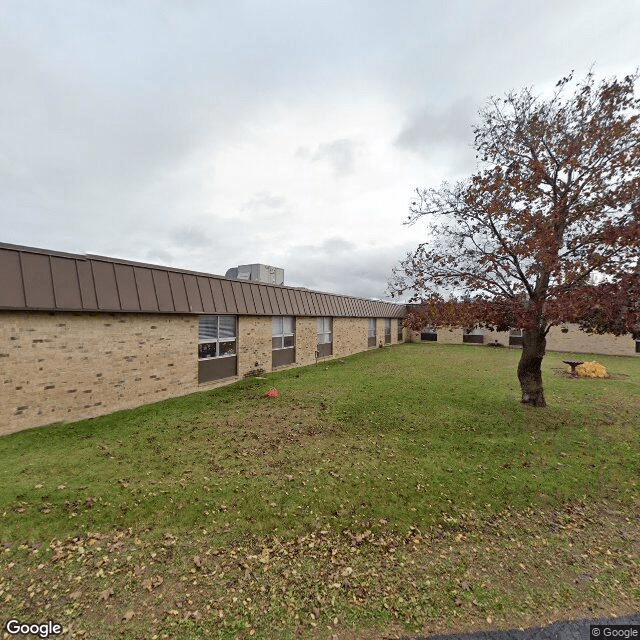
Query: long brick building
81	336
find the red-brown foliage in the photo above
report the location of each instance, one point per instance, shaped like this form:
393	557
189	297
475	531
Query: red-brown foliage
548	231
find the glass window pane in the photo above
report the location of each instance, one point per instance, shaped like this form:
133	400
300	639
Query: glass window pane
227	348
207	328
287	324
288	341
276	326
327	325
227	326
319	325
276	343
207	350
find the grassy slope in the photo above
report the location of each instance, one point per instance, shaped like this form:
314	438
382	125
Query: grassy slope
425	436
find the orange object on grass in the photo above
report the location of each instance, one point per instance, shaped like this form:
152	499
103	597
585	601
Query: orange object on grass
272	393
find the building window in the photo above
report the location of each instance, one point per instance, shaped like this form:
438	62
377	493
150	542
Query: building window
283	340
283	332
216	348
429	334
325	336
400	336
216	337
372	332
515	338
473	336
387	330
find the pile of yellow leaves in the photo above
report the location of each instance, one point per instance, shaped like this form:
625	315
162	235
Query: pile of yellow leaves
591	370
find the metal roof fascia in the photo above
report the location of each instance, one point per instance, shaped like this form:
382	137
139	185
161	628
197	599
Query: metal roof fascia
66	285
205	294
193	293
236	287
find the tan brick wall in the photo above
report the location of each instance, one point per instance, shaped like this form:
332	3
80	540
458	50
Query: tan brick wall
69	366
306	340
501	336
394	331
446	335
578	341
574	340
379	331
254	343
349	336
449	335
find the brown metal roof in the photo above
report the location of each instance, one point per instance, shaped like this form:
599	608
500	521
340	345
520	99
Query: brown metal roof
42	280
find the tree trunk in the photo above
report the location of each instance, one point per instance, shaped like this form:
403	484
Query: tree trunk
529	367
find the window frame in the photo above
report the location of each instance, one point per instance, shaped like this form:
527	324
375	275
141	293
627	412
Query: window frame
473	335
217	340
372	323
324	327
372	337
429	334
516	337
387	330
282	334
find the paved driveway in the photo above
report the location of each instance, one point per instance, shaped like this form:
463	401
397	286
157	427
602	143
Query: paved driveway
567	630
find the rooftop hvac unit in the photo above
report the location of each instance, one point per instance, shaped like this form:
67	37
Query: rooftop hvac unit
256	273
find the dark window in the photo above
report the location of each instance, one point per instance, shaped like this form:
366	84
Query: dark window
387	330
372	332
400	336
429	334
515	338
473	336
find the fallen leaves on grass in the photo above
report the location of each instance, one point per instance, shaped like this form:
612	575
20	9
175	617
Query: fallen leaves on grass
461	573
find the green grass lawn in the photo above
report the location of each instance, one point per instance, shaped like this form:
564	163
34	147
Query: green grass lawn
403	488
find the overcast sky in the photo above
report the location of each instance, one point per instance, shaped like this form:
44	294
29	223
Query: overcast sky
206	134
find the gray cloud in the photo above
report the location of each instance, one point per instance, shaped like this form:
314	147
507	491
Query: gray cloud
339	266
192	237
158	256
442	135
340	154
432	125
